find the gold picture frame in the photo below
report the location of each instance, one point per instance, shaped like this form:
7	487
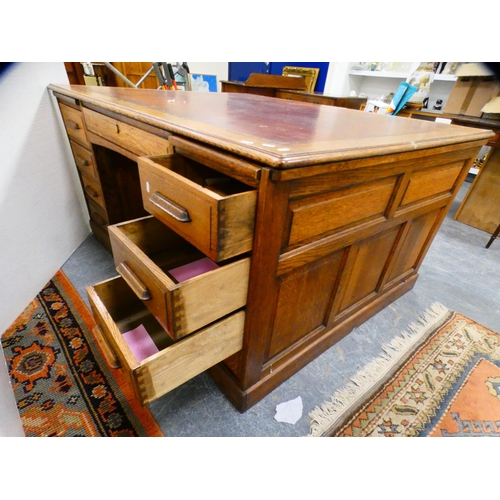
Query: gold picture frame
310	75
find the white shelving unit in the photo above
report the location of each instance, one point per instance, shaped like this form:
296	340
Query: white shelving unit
399	75
376	84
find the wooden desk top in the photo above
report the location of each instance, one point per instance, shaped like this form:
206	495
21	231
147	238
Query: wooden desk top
276	132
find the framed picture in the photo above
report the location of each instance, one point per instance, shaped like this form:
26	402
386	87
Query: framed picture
201	83
309	74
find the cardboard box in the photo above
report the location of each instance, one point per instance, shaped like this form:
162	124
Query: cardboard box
492	109
474	88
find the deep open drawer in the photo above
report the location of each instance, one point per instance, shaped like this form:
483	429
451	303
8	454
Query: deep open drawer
117	310
145	250
212	211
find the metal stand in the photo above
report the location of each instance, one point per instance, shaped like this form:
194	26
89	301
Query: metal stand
493	236
164	73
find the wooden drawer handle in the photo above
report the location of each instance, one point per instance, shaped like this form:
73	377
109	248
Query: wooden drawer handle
107	350
91	191
170	208
72	124
82	161
137	286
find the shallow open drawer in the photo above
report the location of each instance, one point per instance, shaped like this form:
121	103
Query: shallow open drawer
146	252
117	311
211	210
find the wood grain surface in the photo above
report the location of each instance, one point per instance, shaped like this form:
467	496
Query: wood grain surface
276	132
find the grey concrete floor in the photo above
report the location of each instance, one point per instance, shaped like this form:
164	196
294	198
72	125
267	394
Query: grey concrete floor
457	272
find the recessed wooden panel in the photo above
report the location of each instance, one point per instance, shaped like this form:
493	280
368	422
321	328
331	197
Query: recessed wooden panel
303	302
415	240
328	212
135	71
431	182
370	260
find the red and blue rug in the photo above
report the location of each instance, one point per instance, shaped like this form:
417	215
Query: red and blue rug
60	380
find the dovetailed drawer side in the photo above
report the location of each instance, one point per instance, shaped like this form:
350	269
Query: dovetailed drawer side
144	250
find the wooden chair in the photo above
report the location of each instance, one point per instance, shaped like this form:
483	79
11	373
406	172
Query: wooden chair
493	236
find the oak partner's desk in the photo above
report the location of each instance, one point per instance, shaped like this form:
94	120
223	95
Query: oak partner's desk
481	206
318	216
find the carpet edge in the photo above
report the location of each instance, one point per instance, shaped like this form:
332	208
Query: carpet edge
150	424
326	416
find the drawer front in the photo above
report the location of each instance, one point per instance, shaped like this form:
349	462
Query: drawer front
97	213
93	191
215	220
73	122
128	137
145	249
116	310
84	160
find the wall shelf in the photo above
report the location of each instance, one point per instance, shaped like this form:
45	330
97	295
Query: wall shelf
381	74
399	75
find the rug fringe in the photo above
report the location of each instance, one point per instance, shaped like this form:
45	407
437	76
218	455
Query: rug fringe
325	416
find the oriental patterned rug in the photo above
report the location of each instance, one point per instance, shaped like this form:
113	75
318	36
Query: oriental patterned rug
440	379
60	380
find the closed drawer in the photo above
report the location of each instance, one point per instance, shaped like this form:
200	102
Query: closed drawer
97	213
73	122
133	139
84	160
117	311
145	251
93	190
212	211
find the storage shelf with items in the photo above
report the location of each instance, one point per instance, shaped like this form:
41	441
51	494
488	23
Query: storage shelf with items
375	80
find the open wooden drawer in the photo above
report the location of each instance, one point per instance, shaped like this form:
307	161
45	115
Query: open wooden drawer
211	210
145	250
117	310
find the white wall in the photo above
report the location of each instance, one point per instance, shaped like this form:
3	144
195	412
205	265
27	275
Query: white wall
219	69
337	83
43	217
